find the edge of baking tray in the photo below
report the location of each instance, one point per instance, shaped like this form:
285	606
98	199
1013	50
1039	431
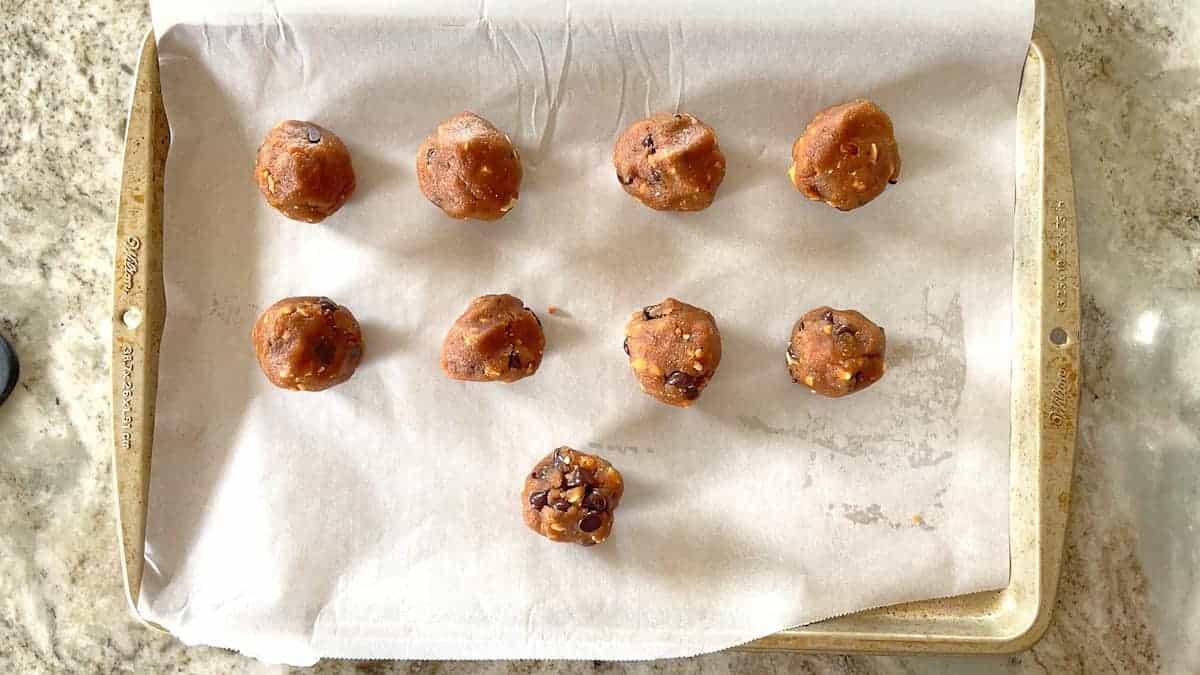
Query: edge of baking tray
1044	380
138	311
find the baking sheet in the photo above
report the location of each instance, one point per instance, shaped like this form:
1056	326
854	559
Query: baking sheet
381	518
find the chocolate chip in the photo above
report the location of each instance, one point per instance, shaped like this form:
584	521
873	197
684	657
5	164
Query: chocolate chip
687	385
514	359
626	346
680	380
429	154
842	329
594	501
678	116
650	312
562	456
562	505
591	522
580	476
587	542
801	325
827	316
624	181
792	354
538	499
314	135
648	141
893	182
655	176
325	350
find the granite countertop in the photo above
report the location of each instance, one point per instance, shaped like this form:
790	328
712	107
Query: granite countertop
1129	596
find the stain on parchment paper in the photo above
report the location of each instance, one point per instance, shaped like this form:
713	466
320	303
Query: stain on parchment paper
873	514
616	449
921	410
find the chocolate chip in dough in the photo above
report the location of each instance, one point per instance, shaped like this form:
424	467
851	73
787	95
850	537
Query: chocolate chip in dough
591	522
579	476
594	501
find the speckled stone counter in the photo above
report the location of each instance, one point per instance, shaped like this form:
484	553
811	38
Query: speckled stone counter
1130	597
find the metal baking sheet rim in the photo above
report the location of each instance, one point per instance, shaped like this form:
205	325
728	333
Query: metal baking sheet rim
1045	383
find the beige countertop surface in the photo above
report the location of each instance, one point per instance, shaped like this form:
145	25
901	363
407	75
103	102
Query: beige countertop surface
1130	597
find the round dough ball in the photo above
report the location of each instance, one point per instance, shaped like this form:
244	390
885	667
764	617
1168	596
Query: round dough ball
835	352
670	162
498	338
570	497
304	171
469	168
674	350
307	343
846	156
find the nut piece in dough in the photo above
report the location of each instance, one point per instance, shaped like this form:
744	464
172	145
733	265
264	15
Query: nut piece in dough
674	350
670	162
846	156
498	338
835	352
307	343
570	497
304	171
469	168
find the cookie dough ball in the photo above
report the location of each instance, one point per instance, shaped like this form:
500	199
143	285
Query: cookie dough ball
670	162
674	350
498	338
846	156
469	168
304	171
570	497
307	343
835	352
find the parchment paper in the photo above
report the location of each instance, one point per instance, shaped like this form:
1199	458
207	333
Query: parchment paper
381	518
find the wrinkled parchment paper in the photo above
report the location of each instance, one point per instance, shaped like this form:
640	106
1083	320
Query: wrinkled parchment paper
381	518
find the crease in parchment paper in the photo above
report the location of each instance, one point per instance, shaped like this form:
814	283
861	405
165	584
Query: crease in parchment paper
380	519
